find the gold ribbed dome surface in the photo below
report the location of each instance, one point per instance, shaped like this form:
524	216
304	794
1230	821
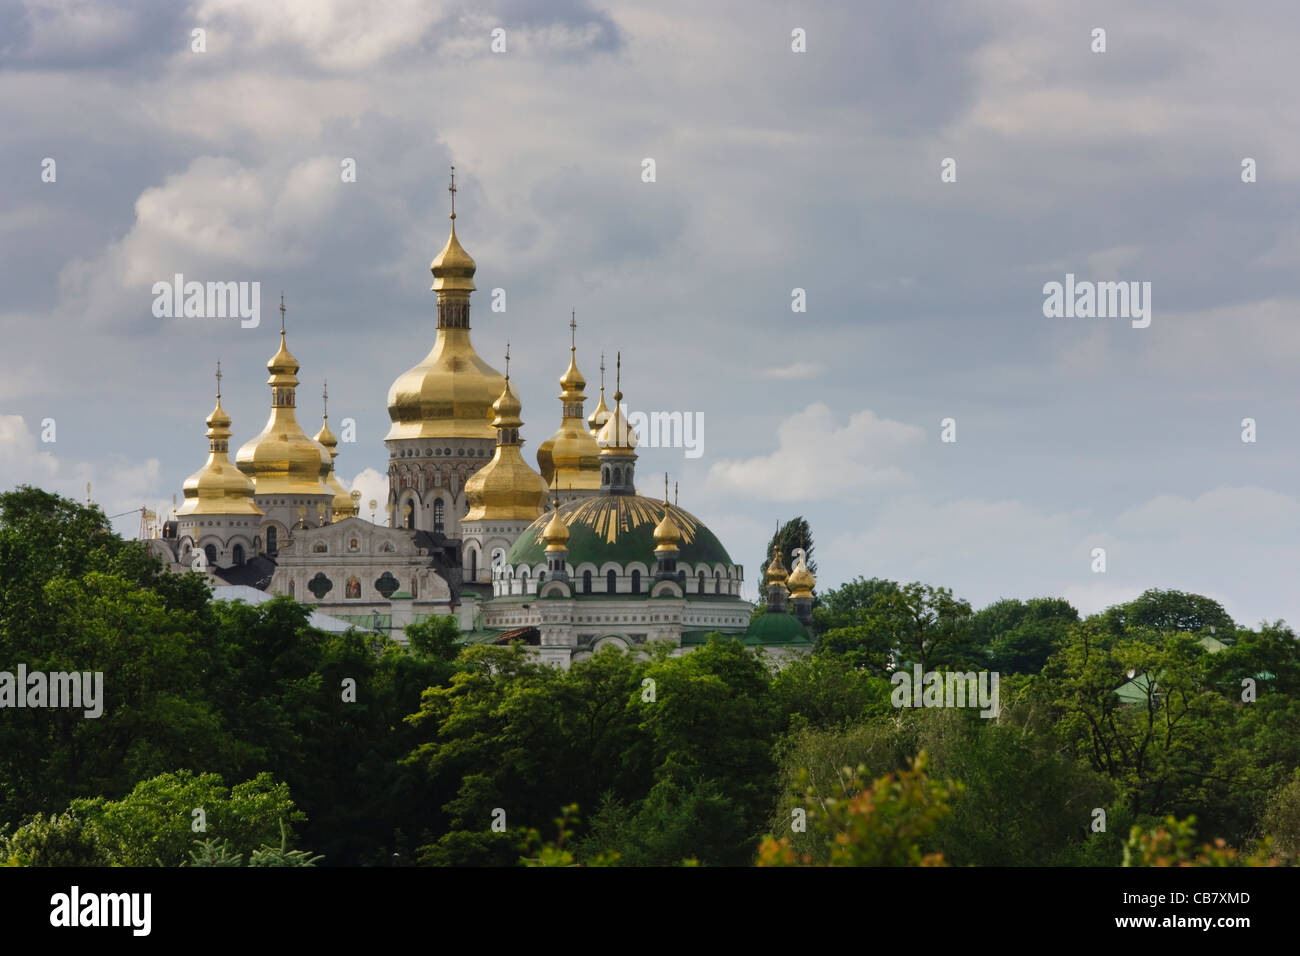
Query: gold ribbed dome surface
218	488
453	268
282	460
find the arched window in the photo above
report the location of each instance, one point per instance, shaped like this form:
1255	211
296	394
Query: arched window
701	582
210	552
717	582
410	516
586	582
605	476
473	564
636	582
239	555
618	476
611	583
272	544
291	589
540	578
438	510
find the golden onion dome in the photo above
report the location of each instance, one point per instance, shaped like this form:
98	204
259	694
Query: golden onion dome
450	393
616	436
556	532
596	420
218	488
505	488
342	506
282	459
776	572
666	533
571	458
453	268
801	581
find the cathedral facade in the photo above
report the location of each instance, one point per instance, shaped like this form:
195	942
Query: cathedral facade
566	557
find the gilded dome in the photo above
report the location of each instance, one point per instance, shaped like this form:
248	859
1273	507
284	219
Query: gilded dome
616	436
505	488
282	460
453	268
570	459
218	488
801	580
556	532
600	415
450	393
342	506
666	533
776	573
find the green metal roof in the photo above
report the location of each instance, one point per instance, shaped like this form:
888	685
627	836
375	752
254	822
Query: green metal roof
619	528
776	628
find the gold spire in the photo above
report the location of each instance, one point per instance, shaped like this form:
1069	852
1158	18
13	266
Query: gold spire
218	487
343	506
616	436
801	580
450	393
571	455
776	573
282	460
556	532
505	488
666	533
601	413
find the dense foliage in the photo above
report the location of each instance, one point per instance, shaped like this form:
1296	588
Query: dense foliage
1157	731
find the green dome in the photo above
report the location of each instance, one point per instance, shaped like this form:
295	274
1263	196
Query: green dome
619	528
776	628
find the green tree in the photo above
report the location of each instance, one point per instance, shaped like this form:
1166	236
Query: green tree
795	533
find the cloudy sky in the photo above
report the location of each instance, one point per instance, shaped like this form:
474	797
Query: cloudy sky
775	170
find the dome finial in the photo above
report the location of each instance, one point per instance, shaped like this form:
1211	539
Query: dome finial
325	398
618	378
282	313
452	189
218	380
507	361
573	330
665	488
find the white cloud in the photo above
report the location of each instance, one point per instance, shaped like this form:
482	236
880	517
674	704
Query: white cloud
796	370
819	453
373	486
116	486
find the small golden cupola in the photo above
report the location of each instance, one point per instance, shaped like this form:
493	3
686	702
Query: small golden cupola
343	506
570	458
777	590
801	581
451	392
506	488
218	488
776	572
282	460
666	534
596	420
617	443
556	532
